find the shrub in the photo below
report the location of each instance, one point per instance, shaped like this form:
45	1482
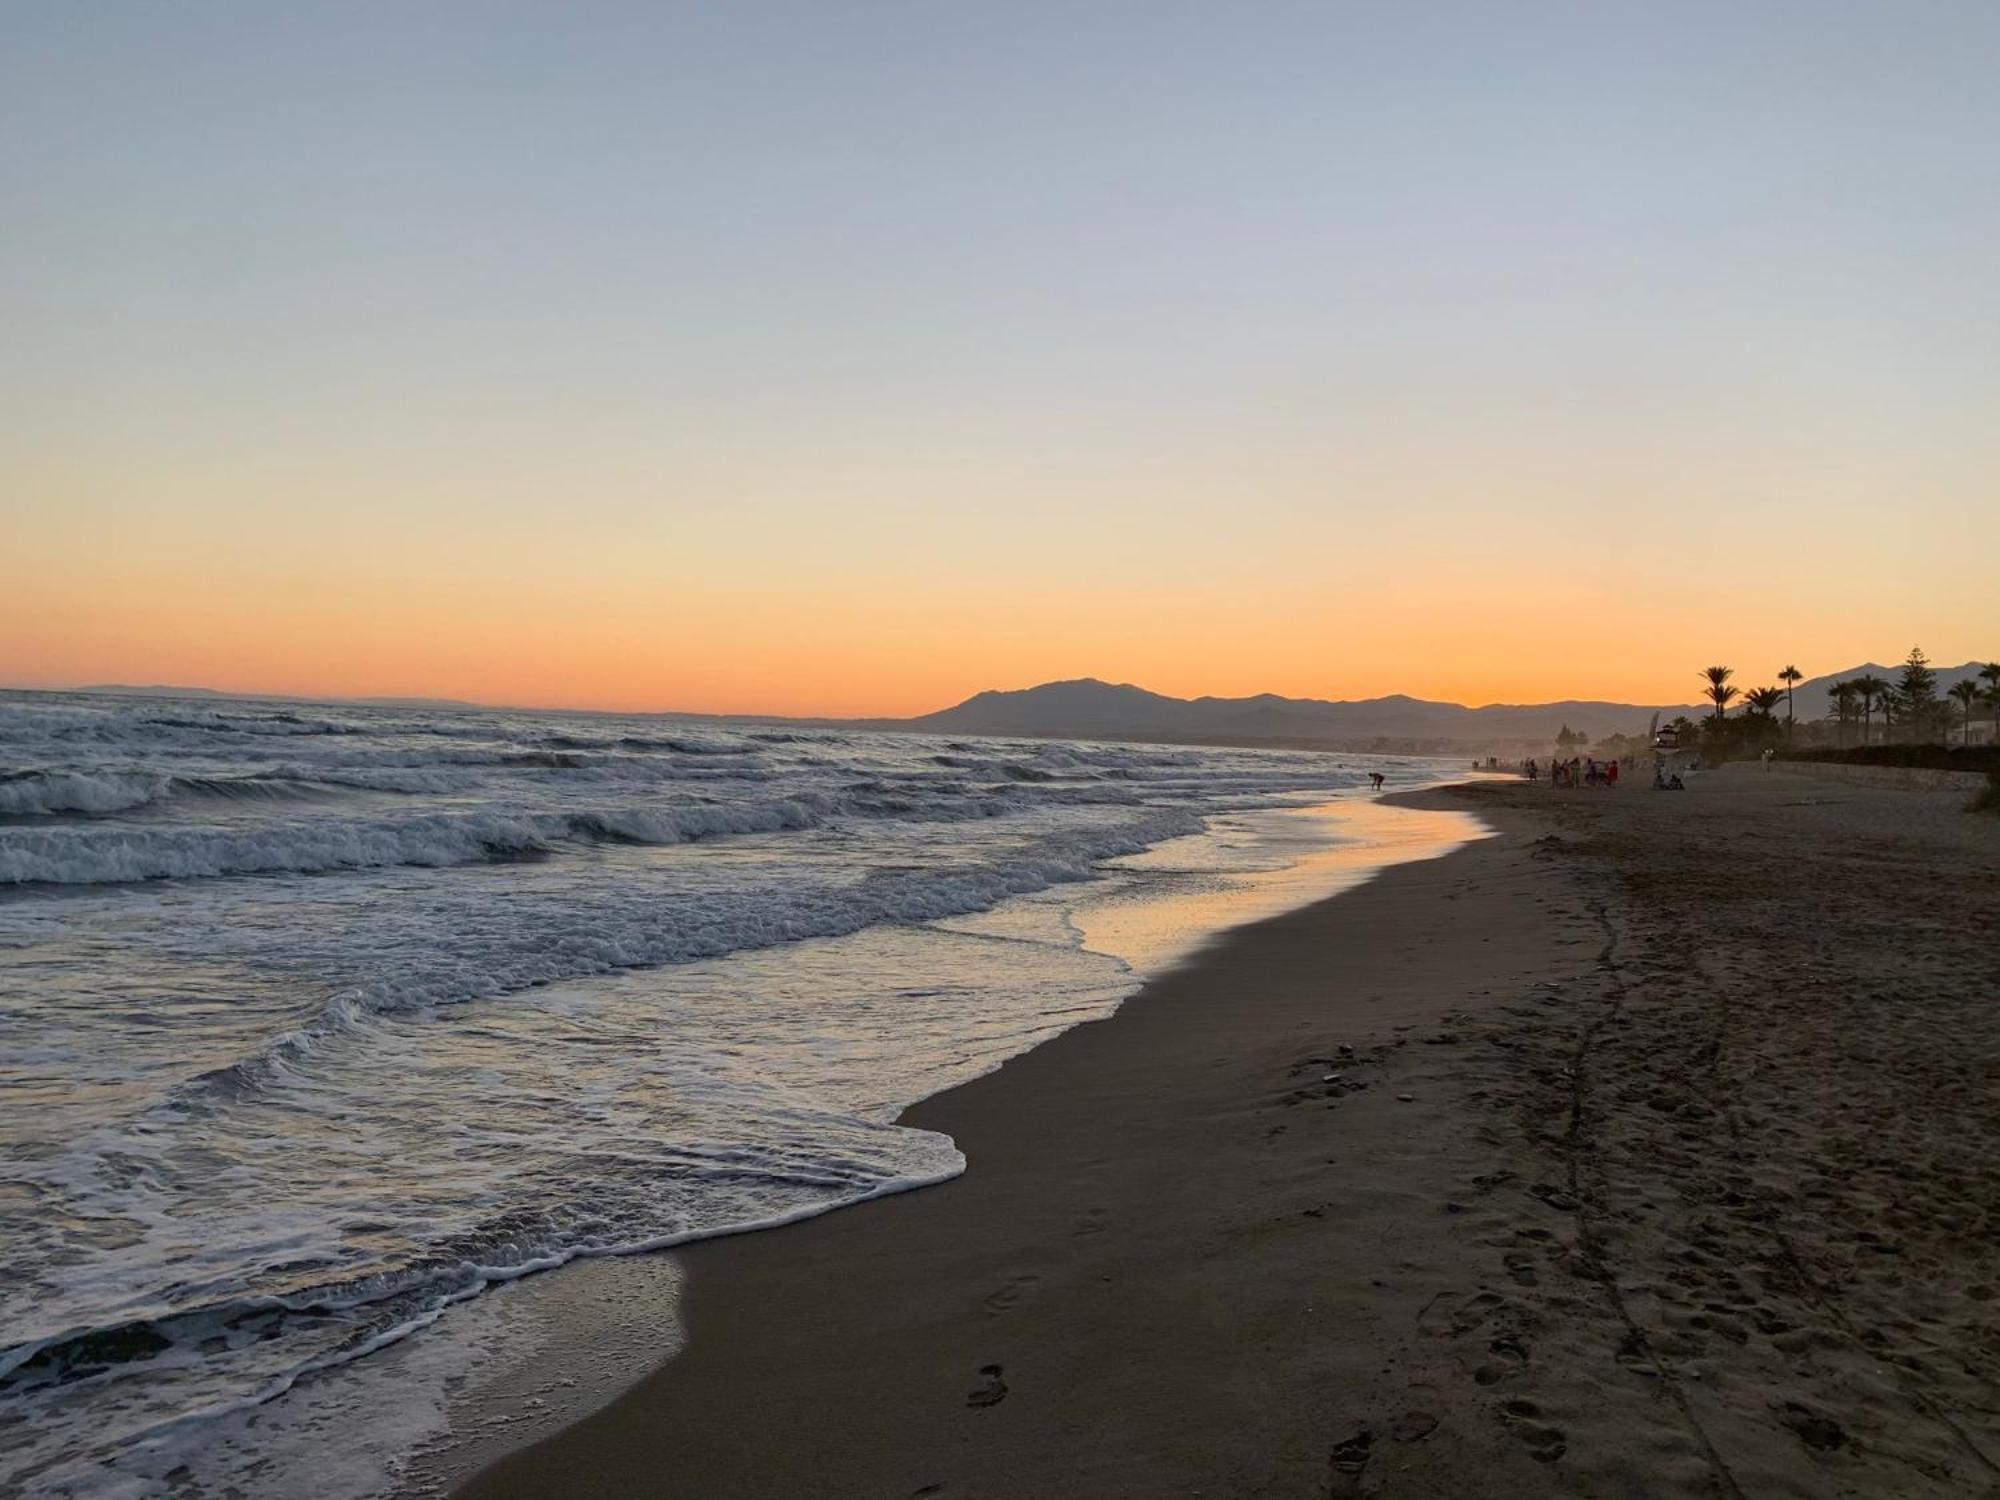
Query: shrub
1927	757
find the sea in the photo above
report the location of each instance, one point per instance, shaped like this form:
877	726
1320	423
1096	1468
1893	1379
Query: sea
318	1023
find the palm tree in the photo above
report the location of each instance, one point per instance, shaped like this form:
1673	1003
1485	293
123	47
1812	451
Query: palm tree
1893	705
1842	695
1764	700
1966	692
1719	691
1791	677
1990	675
1869	688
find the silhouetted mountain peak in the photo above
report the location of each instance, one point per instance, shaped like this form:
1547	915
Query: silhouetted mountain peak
1087	706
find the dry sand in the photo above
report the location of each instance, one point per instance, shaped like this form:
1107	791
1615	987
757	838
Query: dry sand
1649	1148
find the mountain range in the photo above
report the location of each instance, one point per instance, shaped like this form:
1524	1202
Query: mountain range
1089	709
1086	708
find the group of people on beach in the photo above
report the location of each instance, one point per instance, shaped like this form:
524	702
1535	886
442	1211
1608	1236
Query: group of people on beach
1577	771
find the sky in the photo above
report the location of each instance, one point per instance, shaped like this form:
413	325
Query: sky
850	358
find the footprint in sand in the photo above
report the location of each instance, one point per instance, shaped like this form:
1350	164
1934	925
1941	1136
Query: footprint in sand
1009	1295
1450	1314
1509	1355
1815	1429
991	1392
1413	1426
1350	1455
1544	1442
1091	1221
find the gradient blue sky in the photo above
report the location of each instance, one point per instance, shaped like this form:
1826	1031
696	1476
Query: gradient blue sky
826	357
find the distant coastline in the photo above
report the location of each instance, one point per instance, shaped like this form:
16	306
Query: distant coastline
1114	713
1120	713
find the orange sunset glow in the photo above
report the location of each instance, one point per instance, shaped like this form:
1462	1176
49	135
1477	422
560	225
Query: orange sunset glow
840	420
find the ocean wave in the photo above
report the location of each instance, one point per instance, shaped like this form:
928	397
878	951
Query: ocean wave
286	724
99	790
642	937
494	758
511	1246
677	745
407	781
54	790
606	764
104	855
149	727
101	855
119	853
340	1323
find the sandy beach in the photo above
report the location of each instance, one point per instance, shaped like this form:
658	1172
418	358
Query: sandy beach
1646	1148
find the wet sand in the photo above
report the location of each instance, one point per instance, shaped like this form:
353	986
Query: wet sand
1648	1148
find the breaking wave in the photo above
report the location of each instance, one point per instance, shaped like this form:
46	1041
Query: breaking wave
28	793
102	855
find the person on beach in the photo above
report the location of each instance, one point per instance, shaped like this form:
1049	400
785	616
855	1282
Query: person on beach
1611	775
1376	778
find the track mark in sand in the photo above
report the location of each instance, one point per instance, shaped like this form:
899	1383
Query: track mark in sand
1817	1294
1815	1430
1349	1457
1449	1314
1812	1429
1521	1267
1576	1143
1413	1426
1509	1358
1009	1295
1545	1443
990	1392
1091	1221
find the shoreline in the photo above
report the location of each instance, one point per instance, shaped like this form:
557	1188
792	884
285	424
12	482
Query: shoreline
531	1386
982	1116
1576	1229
